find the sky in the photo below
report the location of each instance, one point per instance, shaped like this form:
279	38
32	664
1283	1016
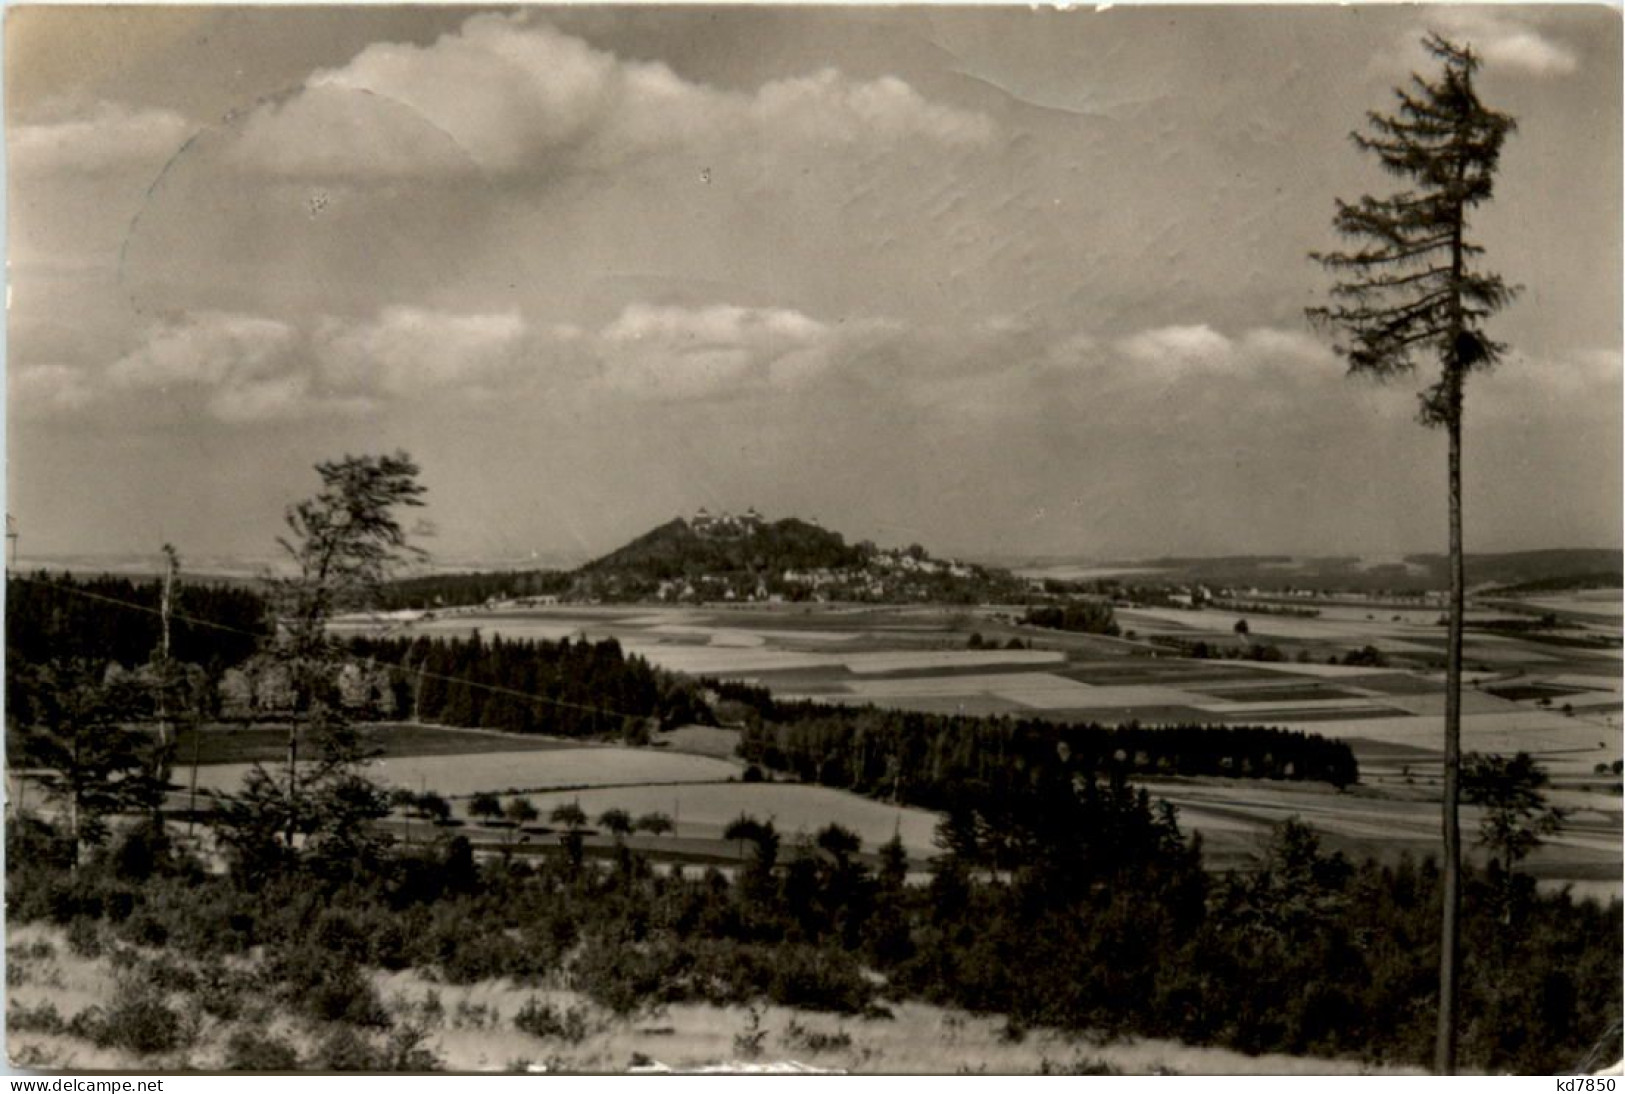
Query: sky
1005	283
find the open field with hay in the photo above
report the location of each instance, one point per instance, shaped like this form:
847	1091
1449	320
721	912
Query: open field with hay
523	771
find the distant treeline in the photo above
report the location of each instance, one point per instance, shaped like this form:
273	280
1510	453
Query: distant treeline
1086	616
58	616
1598	579
564	688
447	590
931	759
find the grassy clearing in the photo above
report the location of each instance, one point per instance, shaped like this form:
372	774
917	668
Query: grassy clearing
1560	743
701	741
702	812
239	744
1279	692
459	776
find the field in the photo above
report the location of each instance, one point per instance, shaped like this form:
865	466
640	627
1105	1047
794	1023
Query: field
247	744
1561	703
551	769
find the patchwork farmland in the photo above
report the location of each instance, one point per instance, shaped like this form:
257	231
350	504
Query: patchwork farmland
1559	702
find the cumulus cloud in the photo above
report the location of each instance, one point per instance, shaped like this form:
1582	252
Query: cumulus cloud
406	351
47	391
1508	39
1584	381
507	94
105	138
1181	349
244	368
1024	372
670	352
207	348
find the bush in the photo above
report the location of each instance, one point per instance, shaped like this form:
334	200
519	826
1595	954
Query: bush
801	1039
326	987
140	1020
819	979
251	1050
405	1051
37	1019
85	937
343	1049
1083	1065
542	1020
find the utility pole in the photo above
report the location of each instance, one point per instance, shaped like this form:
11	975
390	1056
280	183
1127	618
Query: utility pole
172	563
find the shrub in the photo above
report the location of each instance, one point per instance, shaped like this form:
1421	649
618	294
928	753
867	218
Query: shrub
405	1051
1083	1065
251	1050
84	937
168	974
42	1018
139	1019
748	1041
343	1049
801	1039
221	992
542	1020
824	979
325	986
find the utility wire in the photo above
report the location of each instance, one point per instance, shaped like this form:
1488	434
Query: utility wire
495	689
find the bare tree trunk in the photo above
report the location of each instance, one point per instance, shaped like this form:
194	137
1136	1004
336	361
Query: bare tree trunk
1449	944
164	673
293	779
191	797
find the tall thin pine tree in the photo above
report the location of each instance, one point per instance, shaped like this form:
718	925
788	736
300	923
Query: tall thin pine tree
1412	289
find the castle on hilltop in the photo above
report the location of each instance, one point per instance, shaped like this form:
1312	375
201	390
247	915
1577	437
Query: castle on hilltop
726	524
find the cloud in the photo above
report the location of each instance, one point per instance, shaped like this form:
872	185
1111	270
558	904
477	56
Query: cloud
1177	350
1575	384
247	401
670	352
507	94
244	368
829	107
106	138
208	348
47	391
1013	371
407	351
1507	40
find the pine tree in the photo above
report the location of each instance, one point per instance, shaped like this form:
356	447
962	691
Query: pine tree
1413	289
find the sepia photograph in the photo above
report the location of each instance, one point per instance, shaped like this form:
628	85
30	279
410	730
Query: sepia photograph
613	539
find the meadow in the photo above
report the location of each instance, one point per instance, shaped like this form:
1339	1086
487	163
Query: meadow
556	768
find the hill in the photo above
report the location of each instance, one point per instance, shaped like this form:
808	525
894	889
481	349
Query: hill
726	557
723	558
682	549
